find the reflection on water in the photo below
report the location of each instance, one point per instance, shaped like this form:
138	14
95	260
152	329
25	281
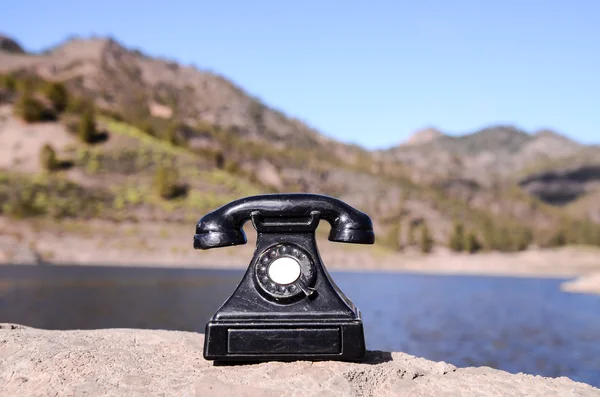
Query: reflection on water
514	324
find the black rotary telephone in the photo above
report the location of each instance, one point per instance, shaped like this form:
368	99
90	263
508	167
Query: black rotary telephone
286	307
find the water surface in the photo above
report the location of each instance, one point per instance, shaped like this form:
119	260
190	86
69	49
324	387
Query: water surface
514	324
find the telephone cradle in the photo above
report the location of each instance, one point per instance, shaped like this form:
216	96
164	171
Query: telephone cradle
287	306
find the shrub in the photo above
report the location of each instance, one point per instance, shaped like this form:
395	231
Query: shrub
22	196
395	236
48	158
558	239
220	160
78	105
489	235
22	204
457	238
147	127
57	94
232	167
87	126
472	243
166	182
174	134
411	235
25	85
522	238
206	128
426	240
31	110
580	232
8	82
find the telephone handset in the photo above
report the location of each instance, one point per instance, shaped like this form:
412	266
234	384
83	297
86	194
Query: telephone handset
287	306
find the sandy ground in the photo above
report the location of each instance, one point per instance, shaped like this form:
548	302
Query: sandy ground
129	362
170	245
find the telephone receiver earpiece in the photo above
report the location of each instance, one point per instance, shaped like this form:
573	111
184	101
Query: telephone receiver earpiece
286	307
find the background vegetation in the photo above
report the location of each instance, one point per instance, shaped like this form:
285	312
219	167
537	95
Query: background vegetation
143	167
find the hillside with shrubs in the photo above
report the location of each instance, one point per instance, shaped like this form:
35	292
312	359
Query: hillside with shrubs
122	136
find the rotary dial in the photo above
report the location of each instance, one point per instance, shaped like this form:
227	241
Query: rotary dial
285	271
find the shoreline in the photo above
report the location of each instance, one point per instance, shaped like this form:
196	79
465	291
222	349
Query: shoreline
98	243
407	270
587	282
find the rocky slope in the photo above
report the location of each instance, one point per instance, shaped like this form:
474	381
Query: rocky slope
563	186
126	362
127	81
545	164
226	144
495	151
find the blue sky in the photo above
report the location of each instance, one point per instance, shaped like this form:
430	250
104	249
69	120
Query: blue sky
366	72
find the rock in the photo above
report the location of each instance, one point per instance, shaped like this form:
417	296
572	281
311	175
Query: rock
158	110
128	362
267	174
589	284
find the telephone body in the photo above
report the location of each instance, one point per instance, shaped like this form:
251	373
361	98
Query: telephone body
287	306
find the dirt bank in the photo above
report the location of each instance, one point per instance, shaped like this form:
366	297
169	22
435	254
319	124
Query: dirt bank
170	245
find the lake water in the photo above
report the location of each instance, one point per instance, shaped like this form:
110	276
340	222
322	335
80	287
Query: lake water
514	324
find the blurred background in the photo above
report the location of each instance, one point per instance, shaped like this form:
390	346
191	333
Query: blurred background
467	130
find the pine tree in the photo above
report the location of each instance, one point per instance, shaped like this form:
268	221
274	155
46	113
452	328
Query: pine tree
165	182
411	235
58	95
395	237
472	243
220	160
503	239
174	134
87	126
48	158
522	238
30	109
457	238
489	235
426	240
558	239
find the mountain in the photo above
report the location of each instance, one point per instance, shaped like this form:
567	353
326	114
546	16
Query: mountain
498	150
200	141
423	136
9	45
128	81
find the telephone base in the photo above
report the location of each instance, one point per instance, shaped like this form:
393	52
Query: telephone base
340	340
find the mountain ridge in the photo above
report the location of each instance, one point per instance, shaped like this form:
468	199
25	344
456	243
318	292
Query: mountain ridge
443	178
102	43
96	47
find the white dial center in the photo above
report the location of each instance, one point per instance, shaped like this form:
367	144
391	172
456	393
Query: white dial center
284	270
